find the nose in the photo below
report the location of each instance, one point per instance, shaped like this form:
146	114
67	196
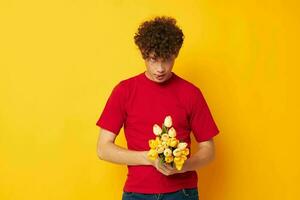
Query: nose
160	69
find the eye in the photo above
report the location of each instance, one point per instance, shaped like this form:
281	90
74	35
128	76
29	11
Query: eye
166	61
152	59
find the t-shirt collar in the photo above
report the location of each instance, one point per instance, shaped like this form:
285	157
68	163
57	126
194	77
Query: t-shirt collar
146	79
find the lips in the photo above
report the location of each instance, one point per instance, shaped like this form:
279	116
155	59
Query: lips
160	76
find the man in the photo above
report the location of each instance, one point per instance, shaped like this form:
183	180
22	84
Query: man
146	99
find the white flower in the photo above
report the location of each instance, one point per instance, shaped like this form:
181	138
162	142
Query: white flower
177	152
160	148
168	121
172	132
164	137
167	152
156	129
182	145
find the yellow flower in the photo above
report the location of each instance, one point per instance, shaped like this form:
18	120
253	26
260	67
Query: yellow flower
164	137
178	166
158	141
160	148
156	129
169	159
164	144
167	152
152	154
176	152
172	132
172	142
152	144
186	151
168	121
179	160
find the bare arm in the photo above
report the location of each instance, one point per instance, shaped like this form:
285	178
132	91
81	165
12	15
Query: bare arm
204	155
107	150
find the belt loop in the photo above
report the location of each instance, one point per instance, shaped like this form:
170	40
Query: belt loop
158	195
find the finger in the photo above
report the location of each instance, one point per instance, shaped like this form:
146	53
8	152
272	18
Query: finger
162	171
169	170
168	166
160	167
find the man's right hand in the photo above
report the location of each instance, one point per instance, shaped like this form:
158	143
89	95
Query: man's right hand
164	168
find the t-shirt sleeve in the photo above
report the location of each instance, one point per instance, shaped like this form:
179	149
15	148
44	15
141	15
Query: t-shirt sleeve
201	120
113	114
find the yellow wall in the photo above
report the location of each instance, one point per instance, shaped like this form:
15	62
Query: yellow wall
60	60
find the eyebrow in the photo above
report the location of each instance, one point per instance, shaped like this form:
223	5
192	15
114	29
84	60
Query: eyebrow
156	58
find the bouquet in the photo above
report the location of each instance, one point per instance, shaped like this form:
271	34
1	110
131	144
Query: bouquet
165	146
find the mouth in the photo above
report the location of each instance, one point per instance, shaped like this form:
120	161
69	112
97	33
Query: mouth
159	76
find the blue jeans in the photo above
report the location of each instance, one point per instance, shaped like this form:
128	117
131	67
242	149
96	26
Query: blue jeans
183	194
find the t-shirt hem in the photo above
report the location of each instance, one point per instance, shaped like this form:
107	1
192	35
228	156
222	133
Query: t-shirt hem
160	190
210	136
104	126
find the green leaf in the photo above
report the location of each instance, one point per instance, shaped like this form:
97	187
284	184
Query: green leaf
164	129
161	161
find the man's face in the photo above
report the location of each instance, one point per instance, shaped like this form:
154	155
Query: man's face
159	70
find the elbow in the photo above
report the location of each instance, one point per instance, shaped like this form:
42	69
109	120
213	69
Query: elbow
209	155
103	150
100	152
212	156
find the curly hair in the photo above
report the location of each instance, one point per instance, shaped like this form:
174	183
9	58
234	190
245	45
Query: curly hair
160	36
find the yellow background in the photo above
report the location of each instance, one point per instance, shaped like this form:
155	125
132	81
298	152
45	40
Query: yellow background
60	60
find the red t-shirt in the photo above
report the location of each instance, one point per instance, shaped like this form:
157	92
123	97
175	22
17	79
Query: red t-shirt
138	103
